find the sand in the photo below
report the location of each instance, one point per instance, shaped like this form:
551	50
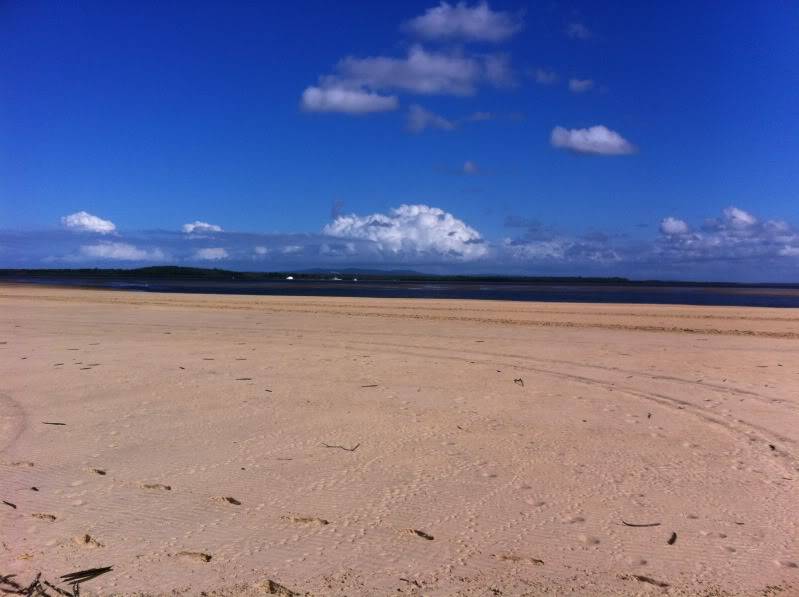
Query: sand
245	445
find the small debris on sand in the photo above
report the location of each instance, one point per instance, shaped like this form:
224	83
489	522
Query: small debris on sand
197	556
87	540
306	520
42	516
157	486
419	533
273	588
228	499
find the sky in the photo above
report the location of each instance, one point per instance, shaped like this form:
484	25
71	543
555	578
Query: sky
639	139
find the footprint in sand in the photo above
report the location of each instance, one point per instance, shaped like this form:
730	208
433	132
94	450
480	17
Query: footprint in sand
157	486
197	556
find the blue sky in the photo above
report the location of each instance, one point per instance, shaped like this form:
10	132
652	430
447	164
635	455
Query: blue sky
621	138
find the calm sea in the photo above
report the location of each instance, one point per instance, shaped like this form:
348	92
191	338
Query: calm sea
749	296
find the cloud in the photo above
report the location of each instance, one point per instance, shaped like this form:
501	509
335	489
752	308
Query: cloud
413	230
580	85
211	254
734	236
460	21
120	252
545	77
738	218
198	226
422	72
420	119
347	101
261	250
85	222
578	31
291	249
597	140
673	226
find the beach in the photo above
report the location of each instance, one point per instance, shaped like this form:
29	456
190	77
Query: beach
240	445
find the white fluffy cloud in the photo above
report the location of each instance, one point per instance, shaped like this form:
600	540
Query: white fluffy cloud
420	119
673	226
211	254
86	222
413	230
421	72
597	140
120	252
738	218
261	250
461	21
580	85
198	226
578	31
736	235
337	98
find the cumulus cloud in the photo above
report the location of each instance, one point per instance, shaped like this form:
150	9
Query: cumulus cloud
735	235
211	254
420	119
85	222
673	226
597	140
580	85
413	230
421	72
120	252
545	77
578	31
464	22
261	250
198	226
337	98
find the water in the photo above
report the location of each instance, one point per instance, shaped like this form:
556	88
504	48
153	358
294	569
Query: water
742	296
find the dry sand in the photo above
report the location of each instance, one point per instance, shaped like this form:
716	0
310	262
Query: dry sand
376	447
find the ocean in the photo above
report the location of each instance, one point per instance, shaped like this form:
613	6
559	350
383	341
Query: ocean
662	294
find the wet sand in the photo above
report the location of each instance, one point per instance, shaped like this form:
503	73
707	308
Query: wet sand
238	444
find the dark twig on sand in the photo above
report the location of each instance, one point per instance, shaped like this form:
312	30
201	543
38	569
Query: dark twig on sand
352	449
646	524
410	581
372	385
49	423
10	504
651	581
673	539
84	575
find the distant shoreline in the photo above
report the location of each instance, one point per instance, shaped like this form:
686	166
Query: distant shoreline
604	291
